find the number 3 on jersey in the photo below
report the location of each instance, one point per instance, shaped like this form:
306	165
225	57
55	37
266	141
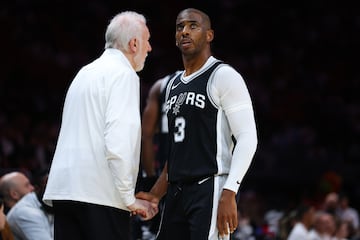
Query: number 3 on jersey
179	133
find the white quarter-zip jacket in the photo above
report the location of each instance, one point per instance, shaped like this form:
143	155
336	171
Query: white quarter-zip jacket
98	150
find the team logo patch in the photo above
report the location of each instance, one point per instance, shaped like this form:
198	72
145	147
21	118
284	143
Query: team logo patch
179	102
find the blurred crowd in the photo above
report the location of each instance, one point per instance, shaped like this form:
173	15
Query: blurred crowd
333	219
299	63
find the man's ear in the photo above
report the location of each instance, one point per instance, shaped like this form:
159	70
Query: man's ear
133	45
209	35
14	194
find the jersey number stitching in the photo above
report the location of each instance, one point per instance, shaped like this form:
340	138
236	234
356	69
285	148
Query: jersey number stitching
180	124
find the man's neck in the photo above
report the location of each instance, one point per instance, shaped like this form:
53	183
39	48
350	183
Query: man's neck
193	64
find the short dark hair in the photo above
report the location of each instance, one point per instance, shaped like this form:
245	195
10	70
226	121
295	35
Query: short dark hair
205	18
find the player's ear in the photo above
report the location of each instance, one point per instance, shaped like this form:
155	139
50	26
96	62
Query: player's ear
209	35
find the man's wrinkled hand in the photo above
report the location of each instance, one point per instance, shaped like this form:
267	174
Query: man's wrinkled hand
148	196
145	209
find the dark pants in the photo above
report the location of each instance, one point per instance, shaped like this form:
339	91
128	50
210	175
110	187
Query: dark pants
188	211
84	221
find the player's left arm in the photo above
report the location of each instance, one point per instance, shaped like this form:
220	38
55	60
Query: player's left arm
235	100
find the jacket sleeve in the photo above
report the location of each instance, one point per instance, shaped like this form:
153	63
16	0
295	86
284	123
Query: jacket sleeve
123	133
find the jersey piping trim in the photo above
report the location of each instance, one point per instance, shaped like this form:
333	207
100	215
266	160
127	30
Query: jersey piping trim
210	83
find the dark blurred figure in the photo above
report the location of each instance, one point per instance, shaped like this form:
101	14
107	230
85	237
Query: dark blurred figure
154	146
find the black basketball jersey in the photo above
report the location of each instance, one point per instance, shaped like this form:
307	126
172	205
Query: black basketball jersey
192	121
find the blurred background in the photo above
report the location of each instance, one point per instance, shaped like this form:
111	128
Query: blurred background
300	63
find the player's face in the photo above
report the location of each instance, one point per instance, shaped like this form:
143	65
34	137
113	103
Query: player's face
191	35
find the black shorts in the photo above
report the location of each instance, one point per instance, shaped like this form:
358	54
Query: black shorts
84	221
189	211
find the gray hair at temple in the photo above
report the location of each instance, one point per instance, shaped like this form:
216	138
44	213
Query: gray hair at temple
122	28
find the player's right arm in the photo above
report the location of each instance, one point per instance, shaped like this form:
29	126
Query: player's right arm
158	190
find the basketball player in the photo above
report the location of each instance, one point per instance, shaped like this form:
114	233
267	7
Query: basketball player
206	105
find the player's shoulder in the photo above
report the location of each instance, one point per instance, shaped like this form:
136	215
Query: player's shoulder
226	75
226	71
222	67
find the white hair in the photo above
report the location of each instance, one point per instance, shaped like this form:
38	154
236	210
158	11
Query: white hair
122	28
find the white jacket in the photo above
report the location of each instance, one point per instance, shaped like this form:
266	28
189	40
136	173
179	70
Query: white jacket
98	149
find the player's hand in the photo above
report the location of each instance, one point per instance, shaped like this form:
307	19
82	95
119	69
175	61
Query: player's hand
227	219
148	196
145	209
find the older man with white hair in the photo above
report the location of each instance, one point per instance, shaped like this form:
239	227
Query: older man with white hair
95	167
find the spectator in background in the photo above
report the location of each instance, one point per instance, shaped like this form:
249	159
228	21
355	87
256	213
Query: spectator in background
338	205
304	221
96	162
286	224
344	231
331	203
30	218
324	226
346	213
245	230
13	186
